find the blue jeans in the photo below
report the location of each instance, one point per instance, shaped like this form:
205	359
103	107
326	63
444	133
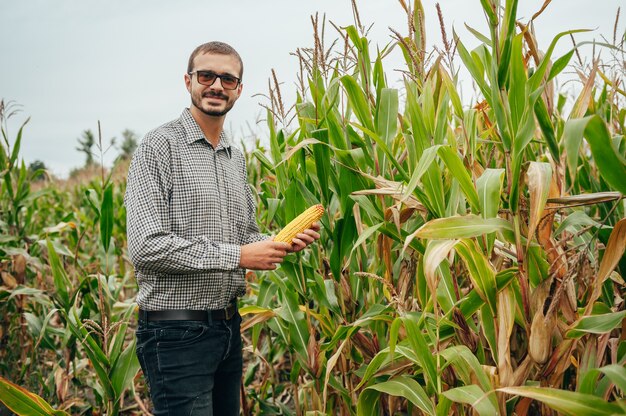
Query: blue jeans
192	367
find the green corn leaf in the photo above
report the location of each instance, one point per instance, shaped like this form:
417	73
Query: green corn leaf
422	166
379	76
489	187
393	336
120	334
93	199
429	109
596	324
96	356
61	281
444	406
321	155
23	402
543	118
420	347
461	174
124	370
589	377
441	119
374	313
539	73
567	402
445	291
488	326
383	146
107	213
290	312
329	295
353	34
469	368
402	386
475	70
452	92
367	233
434	191
263	159
387	115
44	325
484	39
517	90
617	374
474	396
481	272
466	226
17	145
473	302
420	138
611	164
538	266
575	222
490	11
507	39
560	64
409	353
374	365
358	101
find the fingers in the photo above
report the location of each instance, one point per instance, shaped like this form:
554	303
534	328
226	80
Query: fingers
279	245
308	236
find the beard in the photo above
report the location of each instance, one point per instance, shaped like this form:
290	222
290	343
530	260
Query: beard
196	100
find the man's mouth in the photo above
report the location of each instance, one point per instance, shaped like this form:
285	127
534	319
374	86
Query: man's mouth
215	97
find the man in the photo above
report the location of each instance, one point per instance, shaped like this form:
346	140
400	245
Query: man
192	232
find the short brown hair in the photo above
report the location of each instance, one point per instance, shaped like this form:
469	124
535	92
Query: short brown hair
215	47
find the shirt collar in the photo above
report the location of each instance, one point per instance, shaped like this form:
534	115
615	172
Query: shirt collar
194	133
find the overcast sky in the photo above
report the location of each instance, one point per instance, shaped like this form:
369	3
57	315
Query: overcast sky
70	63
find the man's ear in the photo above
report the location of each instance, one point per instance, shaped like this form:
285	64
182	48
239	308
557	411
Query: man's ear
188	82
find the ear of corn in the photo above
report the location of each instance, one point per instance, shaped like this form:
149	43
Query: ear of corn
300	223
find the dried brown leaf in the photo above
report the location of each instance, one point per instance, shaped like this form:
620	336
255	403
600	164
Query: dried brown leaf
506	319
539	178
436	251
612	254
583	100
19	268
8	280
540	341
257	319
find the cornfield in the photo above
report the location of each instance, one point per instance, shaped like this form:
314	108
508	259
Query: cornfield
472	253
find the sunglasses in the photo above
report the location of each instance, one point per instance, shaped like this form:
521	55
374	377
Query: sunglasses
229	82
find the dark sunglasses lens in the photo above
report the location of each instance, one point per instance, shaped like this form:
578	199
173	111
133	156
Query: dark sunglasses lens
206	77
229	82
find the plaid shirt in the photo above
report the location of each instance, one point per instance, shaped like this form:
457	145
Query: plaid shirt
189	209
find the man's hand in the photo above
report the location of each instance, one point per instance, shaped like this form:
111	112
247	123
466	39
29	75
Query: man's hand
262	255
303	239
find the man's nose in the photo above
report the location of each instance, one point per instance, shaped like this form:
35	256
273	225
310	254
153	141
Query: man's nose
217	84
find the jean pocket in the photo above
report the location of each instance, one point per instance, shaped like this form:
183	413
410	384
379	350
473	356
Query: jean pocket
180	335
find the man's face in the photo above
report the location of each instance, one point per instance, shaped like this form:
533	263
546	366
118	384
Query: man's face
213	100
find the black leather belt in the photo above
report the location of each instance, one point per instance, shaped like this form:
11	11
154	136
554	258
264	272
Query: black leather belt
189	314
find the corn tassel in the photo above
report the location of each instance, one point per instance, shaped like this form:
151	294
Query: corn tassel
300	223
